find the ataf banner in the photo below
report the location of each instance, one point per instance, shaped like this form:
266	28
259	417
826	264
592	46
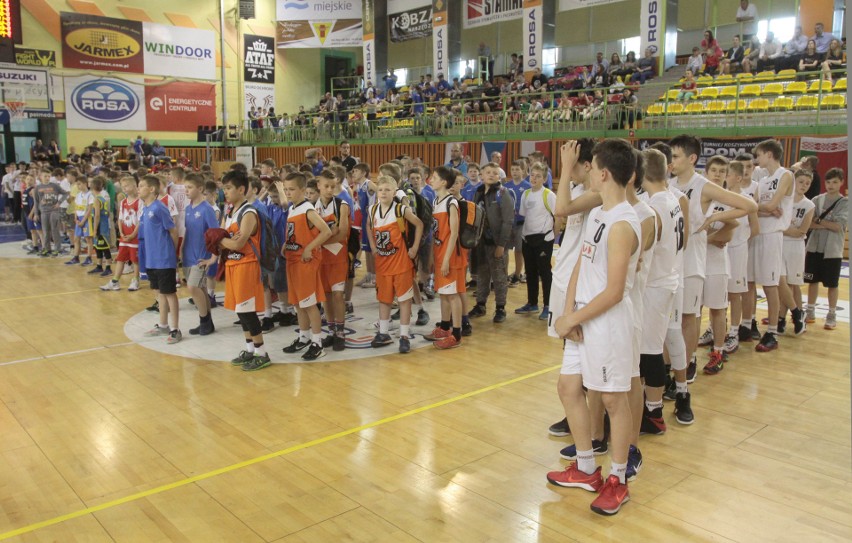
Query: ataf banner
180	106
259	59
35	57
485	12
409	19
320	34
103	103
90	42
179	51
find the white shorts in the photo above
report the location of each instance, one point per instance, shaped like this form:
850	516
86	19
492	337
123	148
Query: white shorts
638	326
738	261
606	353
571	359
693	293
557	307
716	291
750	268
768	258
675	317
794	260
656	315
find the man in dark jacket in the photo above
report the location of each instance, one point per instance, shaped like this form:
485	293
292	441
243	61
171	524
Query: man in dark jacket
489	256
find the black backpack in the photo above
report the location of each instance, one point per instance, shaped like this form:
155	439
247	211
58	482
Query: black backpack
422	208
471	223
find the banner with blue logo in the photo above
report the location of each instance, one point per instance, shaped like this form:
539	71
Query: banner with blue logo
104	103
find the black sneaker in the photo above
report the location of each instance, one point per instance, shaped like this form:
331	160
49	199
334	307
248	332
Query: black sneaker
755	333
154	308
653	423
599	448
296	346
242	358
471	284
267	324
691	370
328	341
404	345
799	322
97	269
467	329
683	411
422	317
782	326
257	363
339	343
206	327
381	340
634	463
767	343
286	319
513	281
349	308
314	351
191	301
499	315
671	389
560	429
744	333
477	311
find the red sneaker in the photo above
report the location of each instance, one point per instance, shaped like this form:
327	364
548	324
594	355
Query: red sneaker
716	363
449	342
613	495
437	333
572	477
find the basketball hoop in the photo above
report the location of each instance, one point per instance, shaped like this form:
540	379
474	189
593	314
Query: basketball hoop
17	110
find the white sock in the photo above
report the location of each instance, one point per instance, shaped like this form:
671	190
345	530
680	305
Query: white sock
620	471
586	462
681	388
211	292
384	326
304	335
259	350
317	338
653	405
810	307
773	330
733	331
267	313
746	323
404	330
249	346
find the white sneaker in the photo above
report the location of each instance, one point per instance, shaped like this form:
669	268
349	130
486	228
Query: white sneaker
732	343
157	330
134	285
111	285
127	269
706	338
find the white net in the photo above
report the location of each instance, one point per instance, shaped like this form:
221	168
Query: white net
17	110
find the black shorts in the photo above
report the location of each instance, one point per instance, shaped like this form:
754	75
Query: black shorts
353	245
163	280
822	270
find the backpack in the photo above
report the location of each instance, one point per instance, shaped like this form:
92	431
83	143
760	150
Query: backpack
471	223
270	246
544	193
422	208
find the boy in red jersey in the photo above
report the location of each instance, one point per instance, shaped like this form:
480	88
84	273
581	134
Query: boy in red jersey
128	243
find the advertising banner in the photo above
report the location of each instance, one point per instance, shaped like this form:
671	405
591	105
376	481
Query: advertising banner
533	37
304	10
35	57
90	42
652	25
369	46
409	19
102	103
179	51
180	106
728	148
313	34
259	95
259	59
485	12
568	5
440	40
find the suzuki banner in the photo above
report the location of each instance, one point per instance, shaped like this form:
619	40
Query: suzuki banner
533	37
485	12
440	40
409	19
102	103
179	51
90	42
180	106
259	59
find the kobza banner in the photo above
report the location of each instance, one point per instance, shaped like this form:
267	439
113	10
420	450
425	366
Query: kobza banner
409	19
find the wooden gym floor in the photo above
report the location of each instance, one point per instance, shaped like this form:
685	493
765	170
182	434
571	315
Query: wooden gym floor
105	440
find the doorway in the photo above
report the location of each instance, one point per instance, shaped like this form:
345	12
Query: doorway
335	67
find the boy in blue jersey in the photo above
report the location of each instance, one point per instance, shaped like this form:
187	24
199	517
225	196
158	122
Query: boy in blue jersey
517	185
160	236
473	182
200	217
279	208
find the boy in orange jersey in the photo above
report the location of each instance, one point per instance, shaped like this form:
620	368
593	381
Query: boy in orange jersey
243	287
455	190
449	263
306	233
394	260
335	257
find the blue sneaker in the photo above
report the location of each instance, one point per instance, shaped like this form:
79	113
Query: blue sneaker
634	463
545	313
87	262
526	308
570	452
73	261
143	276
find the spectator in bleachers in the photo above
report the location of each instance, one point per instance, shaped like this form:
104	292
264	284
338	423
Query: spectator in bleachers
514	66
158	150
709	40
769	52
443	86
750	60
792	51
390	80
539	80
696	62
600	66
810	61
733	58
835	59
645	67
486	59
628	112
747	14
712	59
688	87
615	66
822	39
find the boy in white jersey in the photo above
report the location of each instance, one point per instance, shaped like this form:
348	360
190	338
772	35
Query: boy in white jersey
598	318
747	330
775	208
794	247
719	233
685	152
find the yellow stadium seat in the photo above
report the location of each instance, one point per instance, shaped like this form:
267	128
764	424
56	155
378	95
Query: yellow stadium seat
735	105
833	101
750	90
796	87
816	85
782	103
655	109
695	107
745	77
806	102
764	76
725	79
728	92
709	93
785	75
773	89
672	95
675	108
758	104
705	80
840	85
716	106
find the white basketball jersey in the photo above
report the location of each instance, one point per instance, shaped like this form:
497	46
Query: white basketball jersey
667	264
768	187
594	253
743	231
643	212
695	257
717	259
569	249
800	209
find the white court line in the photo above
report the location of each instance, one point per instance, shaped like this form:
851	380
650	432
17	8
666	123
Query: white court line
69	353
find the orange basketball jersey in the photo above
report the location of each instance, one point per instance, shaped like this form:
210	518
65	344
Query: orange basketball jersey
232	225
441	214
333	254
300	232
391	251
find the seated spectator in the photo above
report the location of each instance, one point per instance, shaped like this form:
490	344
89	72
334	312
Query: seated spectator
811	60
585	80
490	98
628	110
822	39
539	80
617	85
712	58
645	67
600	66
709	41
696	62
158	150
443	86
769	52
835	59
429	92
615	66
688	87
792	51
733	58
750	60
